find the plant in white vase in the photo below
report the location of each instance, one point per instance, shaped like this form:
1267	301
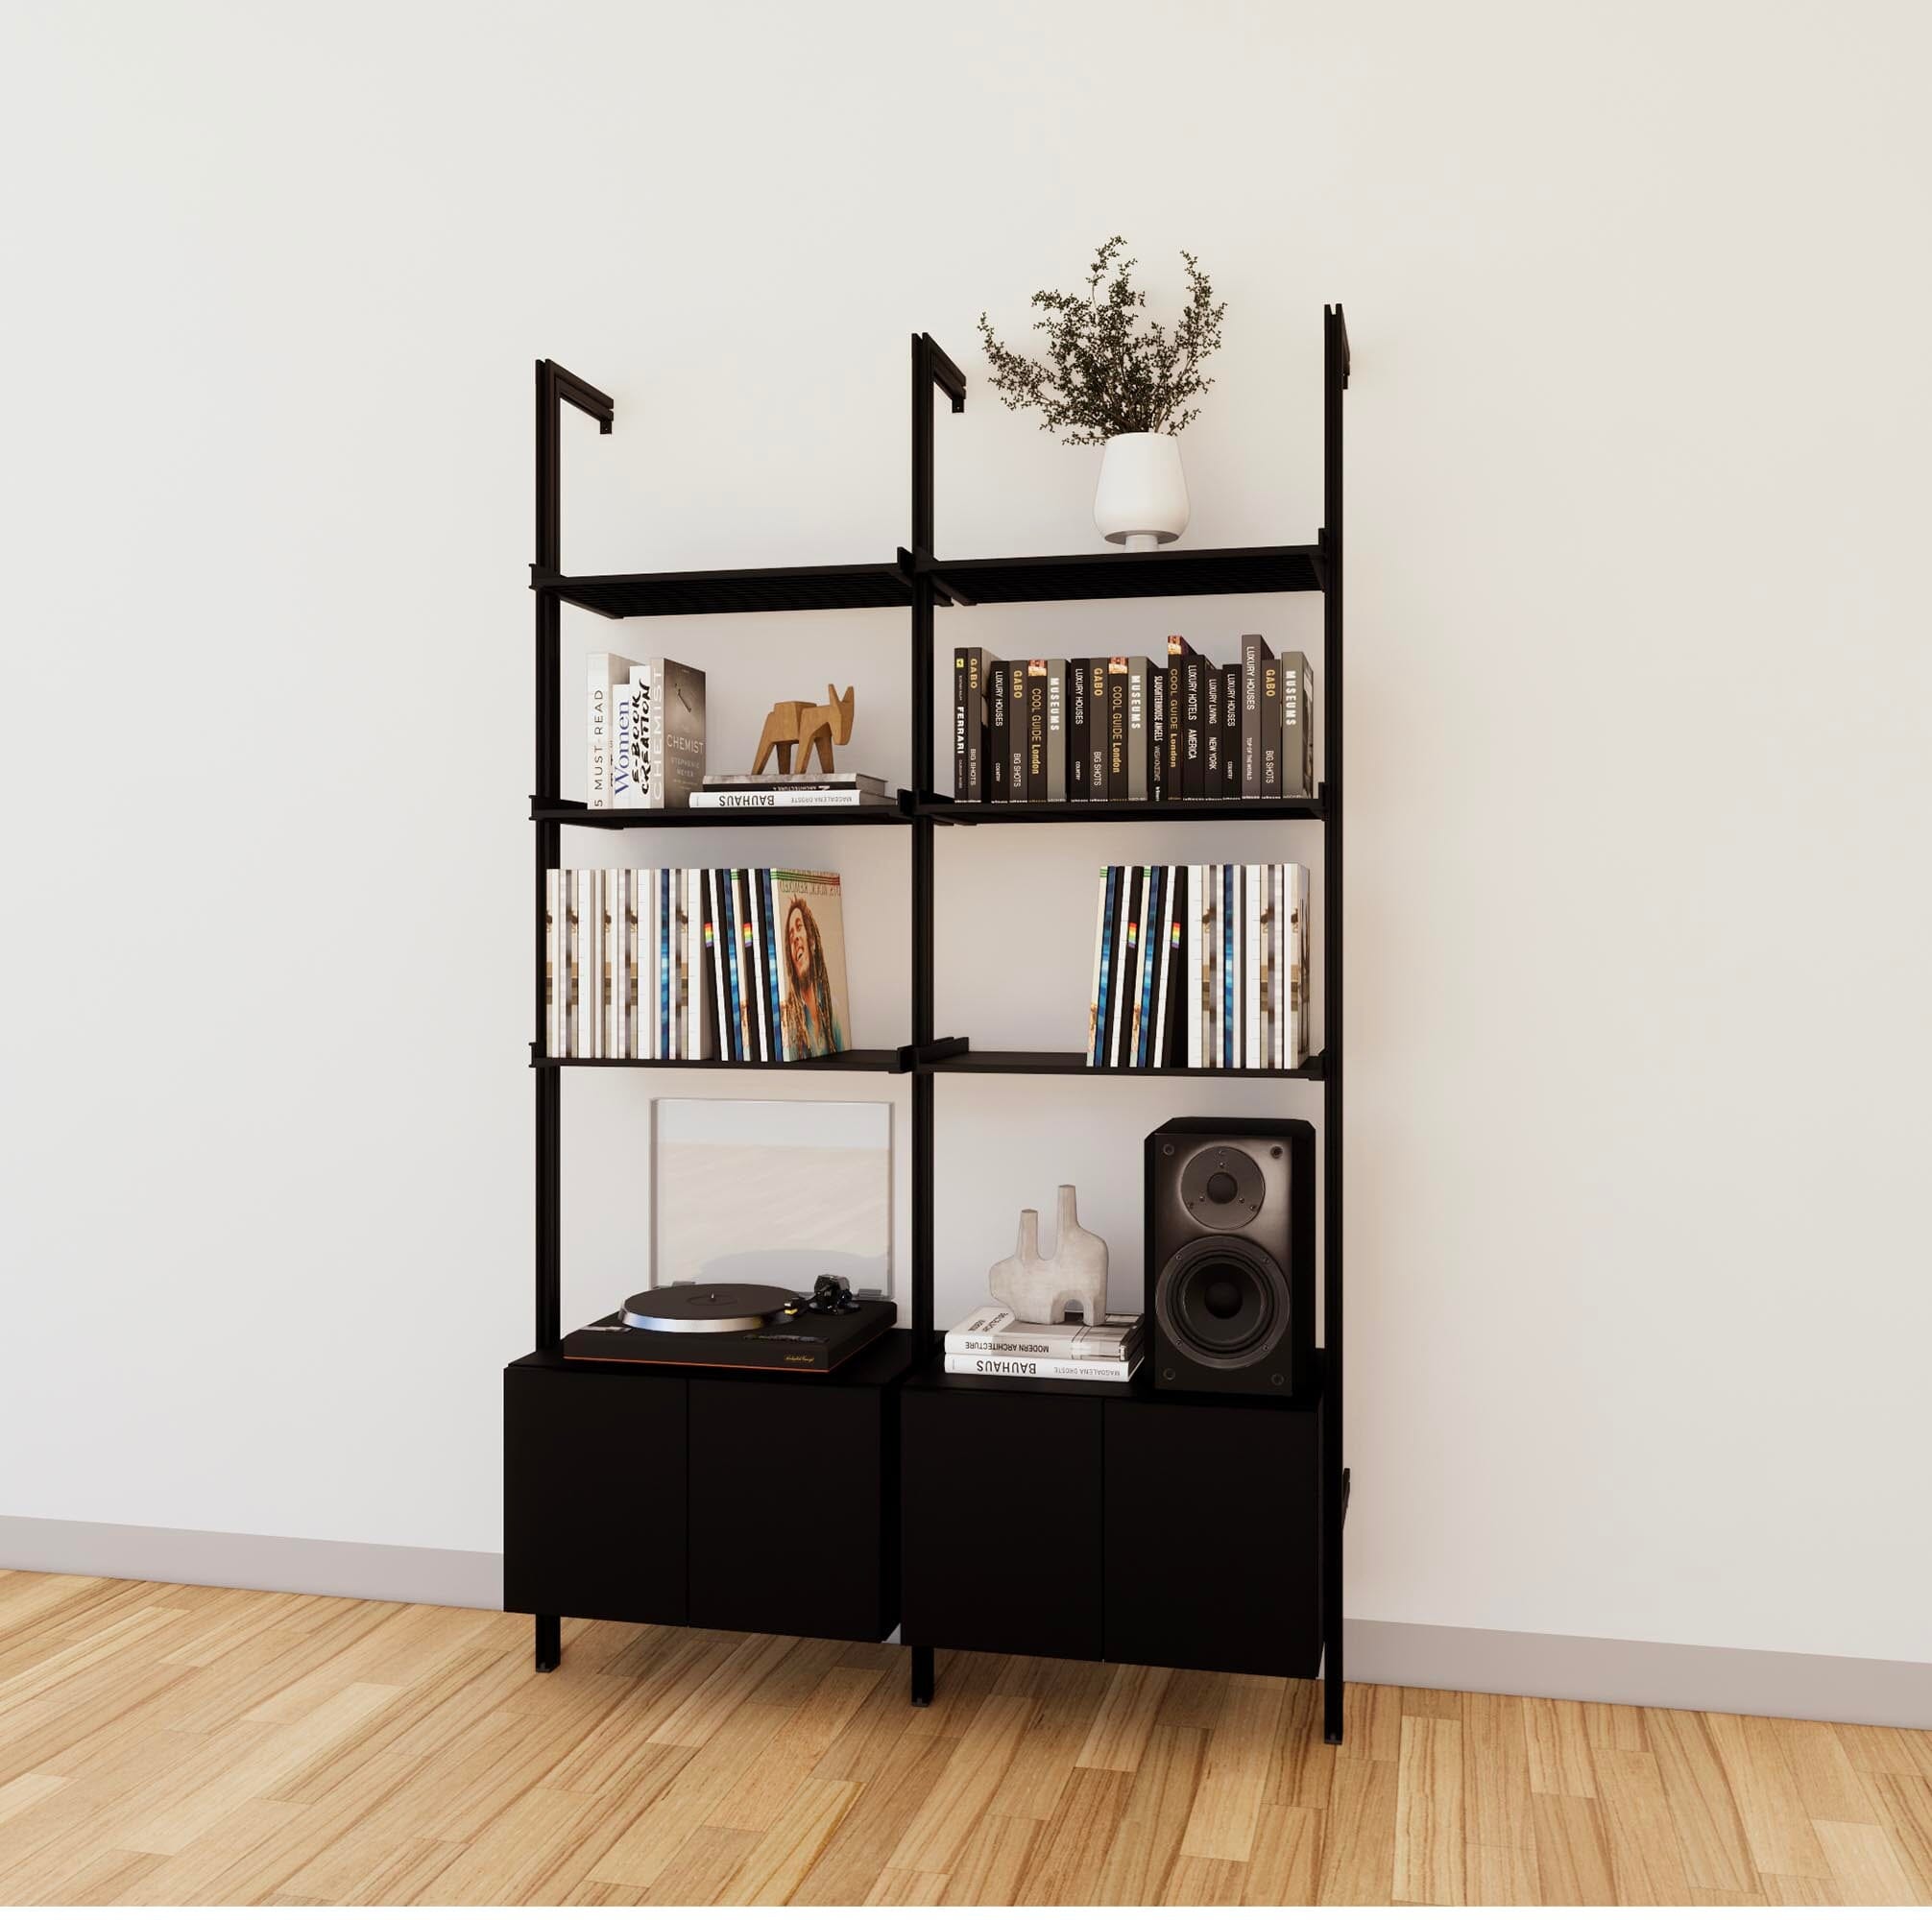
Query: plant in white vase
1109	381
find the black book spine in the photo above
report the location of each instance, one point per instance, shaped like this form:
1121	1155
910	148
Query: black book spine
1097	729
1117	730
976	726
1230	732
1251	716
1179	997
1157	732
1212	738
1270	727
1056	730
1016	733
997	729
1036	733
1194	757
959	726
1076	730
1172	781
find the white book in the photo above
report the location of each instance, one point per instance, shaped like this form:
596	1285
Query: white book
778	800
567	1010
644	963
642	767
1250	967
553	968
755	918
617	916
995	1329
1170	907
697	1042
1094	999
1196	908
1125	949
589	1041
1304	1039
623	744
606	672
1012	1367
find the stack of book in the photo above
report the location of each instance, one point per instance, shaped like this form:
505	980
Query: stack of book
694	963
1177	727
990	1340
1201	967
779	791
647	732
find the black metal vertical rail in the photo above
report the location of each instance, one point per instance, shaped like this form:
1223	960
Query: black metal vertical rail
1334	1473
930	367
554	387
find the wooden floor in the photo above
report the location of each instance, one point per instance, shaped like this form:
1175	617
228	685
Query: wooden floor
189	1745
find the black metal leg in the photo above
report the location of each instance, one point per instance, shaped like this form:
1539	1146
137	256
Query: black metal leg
1331	1693
922	1676
549	1643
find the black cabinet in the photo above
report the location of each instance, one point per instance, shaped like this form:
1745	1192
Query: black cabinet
1001	1522
793	1509
1212	1540
594	1495
1103	1522
693	1497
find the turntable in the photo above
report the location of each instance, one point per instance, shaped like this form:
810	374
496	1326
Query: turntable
736	1324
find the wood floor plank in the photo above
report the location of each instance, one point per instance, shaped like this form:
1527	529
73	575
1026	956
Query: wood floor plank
1358	1835
1646	1864
1573	1856
1125	1722
1304	1768
1496	1774
1431	1703
1235	1773
1153	1818
1790	1889
846	1871
1614	1729
1285	1867
1866	1868
903	1887
942	1827
1070	1693
700	1870
1558	1737
1429	1819
1197	1881
698	1717
1501	1877
1703	1813
790	1847
992	1863
1068	1860
794	1749
1905	1801
1829	1787
1886	1749
1777	1832
1371	1722
21	1792
519	1849
1192	1699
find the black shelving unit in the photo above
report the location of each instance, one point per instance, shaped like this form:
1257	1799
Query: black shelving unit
1107	1593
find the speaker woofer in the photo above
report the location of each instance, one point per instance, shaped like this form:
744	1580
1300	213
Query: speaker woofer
1222	1301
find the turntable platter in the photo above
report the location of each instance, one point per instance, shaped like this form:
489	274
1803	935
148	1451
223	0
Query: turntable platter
733	1306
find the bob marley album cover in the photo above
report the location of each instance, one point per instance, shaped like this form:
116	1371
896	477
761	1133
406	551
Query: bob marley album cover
813	1014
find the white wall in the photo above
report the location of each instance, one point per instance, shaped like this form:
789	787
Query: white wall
1638	698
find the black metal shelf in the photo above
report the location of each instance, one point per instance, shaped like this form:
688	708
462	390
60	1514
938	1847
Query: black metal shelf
1083	813
1128	576
574	813
1075	1064
856	1060
741	589
917	581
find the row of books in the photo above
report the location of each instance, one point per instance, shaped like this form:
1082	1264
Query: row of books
1125	727
694	963
991	1341
647	733
1202	967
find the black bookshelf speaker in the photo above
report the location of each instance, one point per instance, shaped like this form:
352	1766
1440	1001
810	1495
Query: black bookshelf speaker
1230	1241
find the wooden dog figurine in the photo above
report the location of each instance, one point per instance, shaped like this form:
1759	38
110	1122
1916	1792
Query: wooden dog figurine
798	723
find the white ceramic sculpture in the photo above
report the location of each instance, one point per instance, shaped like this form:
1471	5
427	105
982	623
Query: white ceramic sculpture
1040	1291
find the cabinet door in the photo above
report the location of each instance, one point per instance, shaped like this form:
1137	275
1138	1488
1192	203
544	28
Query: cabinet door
1001	1521
792	1514
1213	1544
594	1495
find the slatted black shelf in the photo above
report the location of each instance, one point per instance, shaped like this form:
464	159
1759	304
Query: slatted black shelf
742	589
1130	576
976	1060
857	1059
1063	813
573	813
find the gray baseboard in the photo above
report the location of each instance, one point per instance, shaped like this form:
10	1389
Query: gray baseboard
1643	1673
1470	1659
263	1563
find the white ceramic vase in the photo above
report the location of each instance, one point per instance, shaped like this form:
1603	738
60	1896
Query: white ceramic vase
1040	1291
1142	501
